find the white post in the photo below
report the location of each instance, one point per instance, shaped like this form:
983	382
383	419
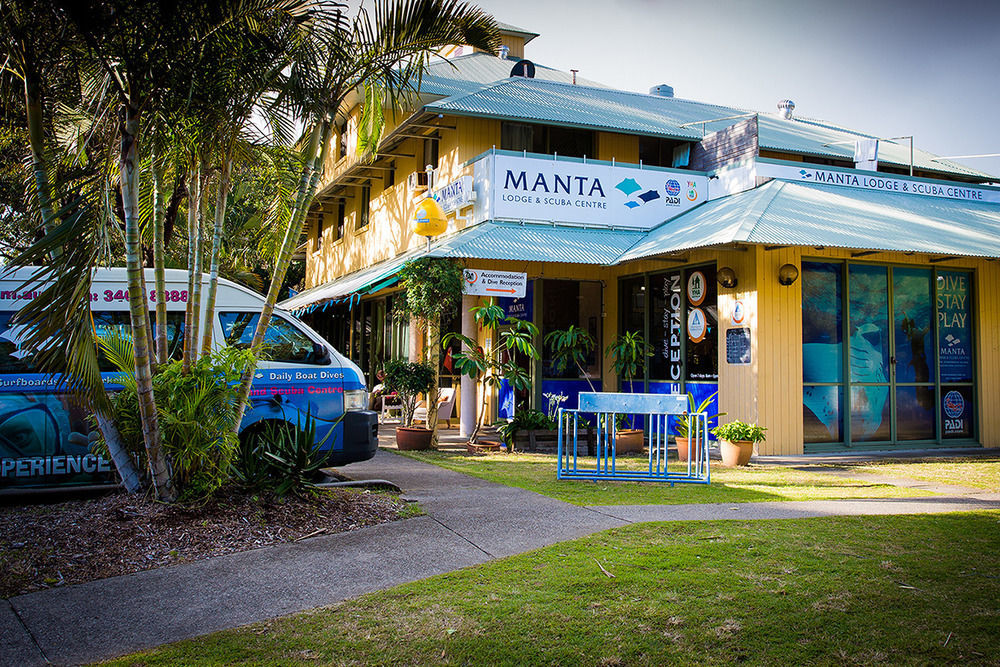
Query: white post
469	401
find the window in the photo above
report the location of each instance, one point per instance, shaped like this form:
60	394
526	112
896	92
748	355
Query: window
319	230
12	358
569	302
546	139
341	214
119	323
363	206
658	152
390	175
430	157
283	341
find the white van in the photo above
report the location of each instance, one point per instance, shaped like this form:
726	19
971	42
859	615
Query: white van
45	436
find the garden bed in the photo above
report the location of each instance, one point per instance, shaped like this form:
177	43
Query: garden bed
48	545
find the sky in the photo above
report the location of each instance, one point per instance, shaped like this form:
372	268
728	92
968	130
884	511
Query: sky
930	69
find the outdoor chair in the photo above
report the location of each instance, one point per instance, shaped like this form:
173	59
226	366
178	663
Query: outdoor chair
446	407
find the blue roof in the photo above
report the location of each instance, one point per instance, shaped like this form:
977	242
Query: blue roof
807	214
538	243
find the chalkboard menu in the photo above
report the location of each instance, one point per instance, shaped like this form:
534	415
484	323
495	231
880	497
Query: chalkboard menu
738	346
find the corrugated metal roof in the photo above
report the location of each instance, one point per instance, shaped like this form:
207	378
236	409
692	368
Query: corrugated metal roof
488	240
812	137
581	106
469	73
787	213
506	27
538	243
478	85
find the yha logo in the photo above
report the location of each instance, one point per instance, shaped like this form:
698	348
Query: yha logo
567	184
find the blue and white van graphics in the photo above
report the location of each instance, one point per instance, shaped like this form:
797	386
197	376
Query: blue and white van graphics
45	436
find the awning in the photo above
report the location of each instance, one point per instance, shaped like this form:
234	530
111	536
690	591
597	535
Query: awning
349	287
527	242
800	214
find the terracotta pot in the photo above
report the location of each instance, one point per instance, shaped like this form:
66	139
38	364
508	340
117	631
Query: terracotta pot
629	440
735	453
683	448
411	438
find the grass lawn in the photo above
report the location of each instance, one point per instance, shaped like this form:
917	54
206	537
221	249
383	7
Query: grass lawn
755	483
836	590
977	473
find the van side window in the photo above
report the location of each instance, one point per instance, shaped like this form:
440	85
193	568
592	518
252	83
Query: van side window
12	360
282	342
112	322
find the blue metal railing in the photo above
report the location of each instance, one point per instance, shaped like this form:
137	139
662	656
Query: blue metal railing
602	464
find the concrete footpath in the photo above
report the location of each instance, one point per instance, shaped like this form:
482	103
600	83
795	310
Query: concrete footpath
469	521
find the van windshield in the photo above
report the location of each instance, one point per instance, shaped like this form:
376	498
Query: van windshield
283	341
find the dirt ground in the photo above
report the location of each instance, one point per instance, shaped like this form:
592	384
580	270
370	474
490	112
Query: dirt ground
56	544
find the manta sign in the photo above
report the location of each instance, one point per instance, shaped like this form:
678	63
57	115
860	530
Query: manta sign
507	284
571	191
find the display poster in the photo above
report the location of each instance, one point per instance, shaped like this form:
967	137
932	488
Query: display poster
956	412
521	307
702	351
738	346
954	326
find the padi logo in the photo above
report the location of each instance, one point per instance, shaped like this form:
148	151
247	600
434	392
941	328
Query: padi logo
673	188
954	404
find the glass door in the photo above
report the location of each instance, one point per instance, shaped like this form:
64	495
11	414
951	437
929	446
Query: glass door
905	374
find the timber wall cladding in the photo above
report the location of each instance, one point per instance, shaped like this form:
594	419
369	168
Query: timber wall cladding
726	146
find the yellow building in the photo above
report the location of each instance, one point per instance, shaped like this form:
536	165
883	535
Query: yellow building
836	289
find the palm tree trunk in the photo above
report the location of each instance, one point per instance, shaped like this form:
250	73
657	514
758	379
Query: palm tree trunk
194	201
129	167
131	479
194	295
213	276
43	188
318	141
158	262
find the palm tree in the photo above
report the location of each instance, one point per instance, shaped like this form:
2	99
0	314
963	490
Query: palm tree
382	53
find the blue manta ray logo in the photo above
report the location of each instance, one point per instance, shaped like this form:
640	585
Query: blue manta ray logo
629	187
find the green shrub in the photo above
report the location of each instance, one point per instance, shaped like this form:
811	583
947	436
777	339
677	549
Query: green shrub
197	415
279	456
408	380
738	430
524	420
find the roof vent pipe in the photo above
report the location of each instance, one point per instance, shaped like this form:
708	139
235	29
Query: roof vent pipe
785	108
663	90
504	51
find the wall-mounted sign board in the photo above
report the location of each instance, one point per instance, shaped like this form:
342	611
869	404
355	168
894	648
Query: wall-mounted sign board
494	283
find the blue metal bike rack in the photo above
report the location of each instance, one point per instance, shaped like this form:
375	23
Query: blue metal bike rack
655	409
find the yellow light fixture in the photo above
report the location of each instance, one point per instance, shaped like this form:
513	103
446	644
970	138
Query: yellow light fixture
429	220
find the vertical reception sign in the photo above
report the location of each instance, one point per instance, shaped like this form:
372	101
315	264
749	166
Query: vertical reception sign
672	313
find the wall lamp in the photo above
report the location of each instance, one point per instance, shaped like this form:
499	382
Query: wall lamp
726	277
787	274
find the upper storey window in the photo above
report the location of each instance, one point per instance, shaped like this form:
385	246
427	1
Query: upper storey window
547	139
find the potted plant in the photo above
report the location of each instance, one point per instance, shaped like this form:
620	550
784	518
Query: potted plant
409	380
628	354
681	435
737	440
527	430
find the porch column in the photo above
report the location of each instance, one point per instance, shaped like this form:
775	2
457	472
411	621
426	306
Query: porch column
469	403
416	341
